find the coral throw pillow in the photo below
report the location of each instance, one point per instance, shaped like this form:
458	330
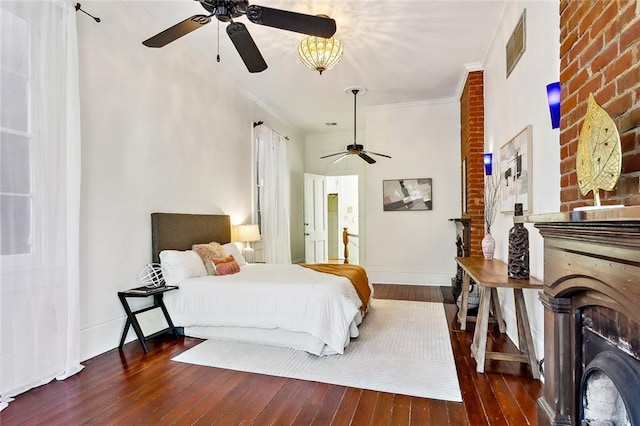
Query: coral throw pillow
226	265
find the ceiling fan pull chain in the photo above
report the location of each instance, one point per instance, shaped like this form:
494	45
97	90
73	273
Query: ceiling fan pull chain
218	55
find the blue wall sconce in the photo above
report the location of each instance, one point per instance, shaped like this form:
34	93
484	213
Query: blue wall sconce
553	97
488	163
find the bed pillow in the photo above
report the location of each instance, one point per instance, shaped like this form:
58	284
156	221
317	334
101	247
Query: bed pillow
207	252
226	265
230	249
180	265
224	259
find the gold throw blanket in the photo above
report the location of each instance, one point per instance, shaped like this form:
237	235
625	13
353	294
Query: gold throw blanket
355	273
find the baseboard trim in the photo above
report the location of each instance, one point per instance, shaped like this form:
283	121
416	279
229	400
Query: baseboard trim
101	338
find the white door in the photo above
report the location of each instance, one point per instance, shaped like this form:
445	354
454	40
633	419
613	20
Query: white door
315	218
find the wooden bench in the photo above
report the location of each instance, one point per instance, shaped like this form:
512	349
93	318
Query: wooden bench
491	275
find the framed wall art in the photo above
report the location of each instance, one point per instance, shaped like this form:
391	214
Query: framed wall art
515	167
517	43
407	194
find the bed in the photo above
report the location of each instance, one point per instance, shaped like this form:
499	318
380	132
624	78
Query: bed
280	305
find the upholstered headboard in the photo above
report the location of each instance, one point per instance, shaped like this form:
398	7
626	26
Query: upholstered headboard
177	231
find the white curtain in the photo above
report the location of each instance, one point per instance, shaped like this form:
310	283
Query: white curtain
39	195
274	195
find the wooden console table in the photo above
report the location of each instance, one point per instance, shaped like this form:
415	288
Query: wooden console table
491	275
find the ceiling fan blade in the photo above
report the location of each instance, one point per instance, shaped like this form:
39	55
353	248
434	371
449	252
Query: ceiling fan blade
340	158
292	21
246	47
366	158
178	30
375	153
332	155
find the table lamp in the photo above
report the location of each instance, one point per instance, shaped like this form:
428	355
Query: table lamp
247	234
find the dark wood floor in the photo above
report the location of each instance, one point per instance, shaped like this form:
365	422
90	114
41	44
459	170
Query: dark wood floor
132	388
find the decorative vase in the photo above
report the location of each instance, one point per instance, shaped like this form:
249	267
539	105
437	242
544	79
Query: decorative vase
518	264
488	246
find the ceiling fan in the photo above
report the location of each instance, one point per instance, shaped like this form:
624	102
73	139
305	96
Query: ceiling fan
227	10
355	148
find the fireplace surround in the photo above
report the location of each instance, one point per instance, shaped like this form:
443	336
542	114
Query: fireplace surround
463	249
591	302
608	389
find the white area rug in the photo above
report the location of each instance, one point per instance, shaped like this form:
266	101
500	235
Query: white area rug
403	348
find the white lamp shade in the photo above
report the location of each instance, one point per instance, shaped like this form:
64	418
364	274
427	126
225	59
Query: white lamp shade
248	233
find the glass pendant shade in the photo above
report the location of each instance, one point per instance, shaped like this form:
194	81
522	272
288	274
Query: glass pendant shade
319	53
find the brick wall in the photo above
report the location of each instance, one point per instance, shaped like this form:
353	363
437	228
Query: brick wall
600	54
472	147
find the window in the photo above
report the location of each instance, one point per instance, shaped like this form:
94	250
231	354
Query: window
272	194
16	139
264	139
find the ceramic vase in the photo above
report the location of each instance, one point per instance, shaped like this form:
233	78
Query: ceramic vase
488	246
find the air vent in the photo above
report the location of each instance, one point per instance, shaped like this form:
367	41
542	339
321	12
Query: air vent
517	43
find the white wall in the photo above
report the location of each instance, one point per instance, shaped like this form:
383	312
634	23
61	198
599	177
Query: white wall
295	155
510	105
413	247
162	131
423	138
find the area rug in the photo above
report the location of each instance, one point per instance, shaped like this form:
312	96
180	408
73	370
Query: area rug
403	348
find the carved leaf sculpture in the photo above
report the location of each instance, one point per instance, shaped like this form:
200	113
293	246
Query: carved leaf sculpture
599	156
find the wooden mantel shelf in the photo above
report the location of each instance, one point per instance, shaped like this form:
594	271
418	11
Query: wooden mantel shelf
616	214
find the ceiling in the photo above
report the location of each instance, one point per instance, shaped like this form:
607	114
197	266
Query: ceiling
400	51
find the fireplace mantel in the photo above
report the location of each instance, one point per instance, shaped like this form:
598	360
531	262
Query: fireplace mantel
591	258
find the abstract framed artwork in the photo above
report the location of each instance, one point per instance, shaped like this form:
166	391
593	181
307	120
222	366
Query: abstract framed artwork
407	195
515	167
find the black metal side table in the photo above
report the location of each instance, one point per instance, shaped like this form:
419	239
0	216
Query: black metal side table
157	294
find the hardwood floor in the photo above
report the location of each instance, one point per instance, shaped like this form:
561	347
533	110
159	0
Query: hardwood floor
131	388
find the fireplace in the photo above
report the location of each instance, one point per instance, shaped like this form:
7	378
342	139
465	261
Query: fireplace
592	317
463	249
610	368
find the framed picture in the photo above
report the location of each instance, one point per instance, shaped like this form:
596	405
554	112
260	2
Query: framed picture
406	194
515	167
517	43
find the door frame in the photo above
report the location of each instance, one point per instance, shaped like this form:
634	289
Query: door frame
360	216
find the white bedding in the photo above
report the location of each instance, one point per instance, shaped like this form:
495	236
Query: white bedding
283	305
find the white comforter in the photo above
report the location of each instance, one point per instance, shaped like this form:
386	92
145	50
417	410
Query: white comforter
286	301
